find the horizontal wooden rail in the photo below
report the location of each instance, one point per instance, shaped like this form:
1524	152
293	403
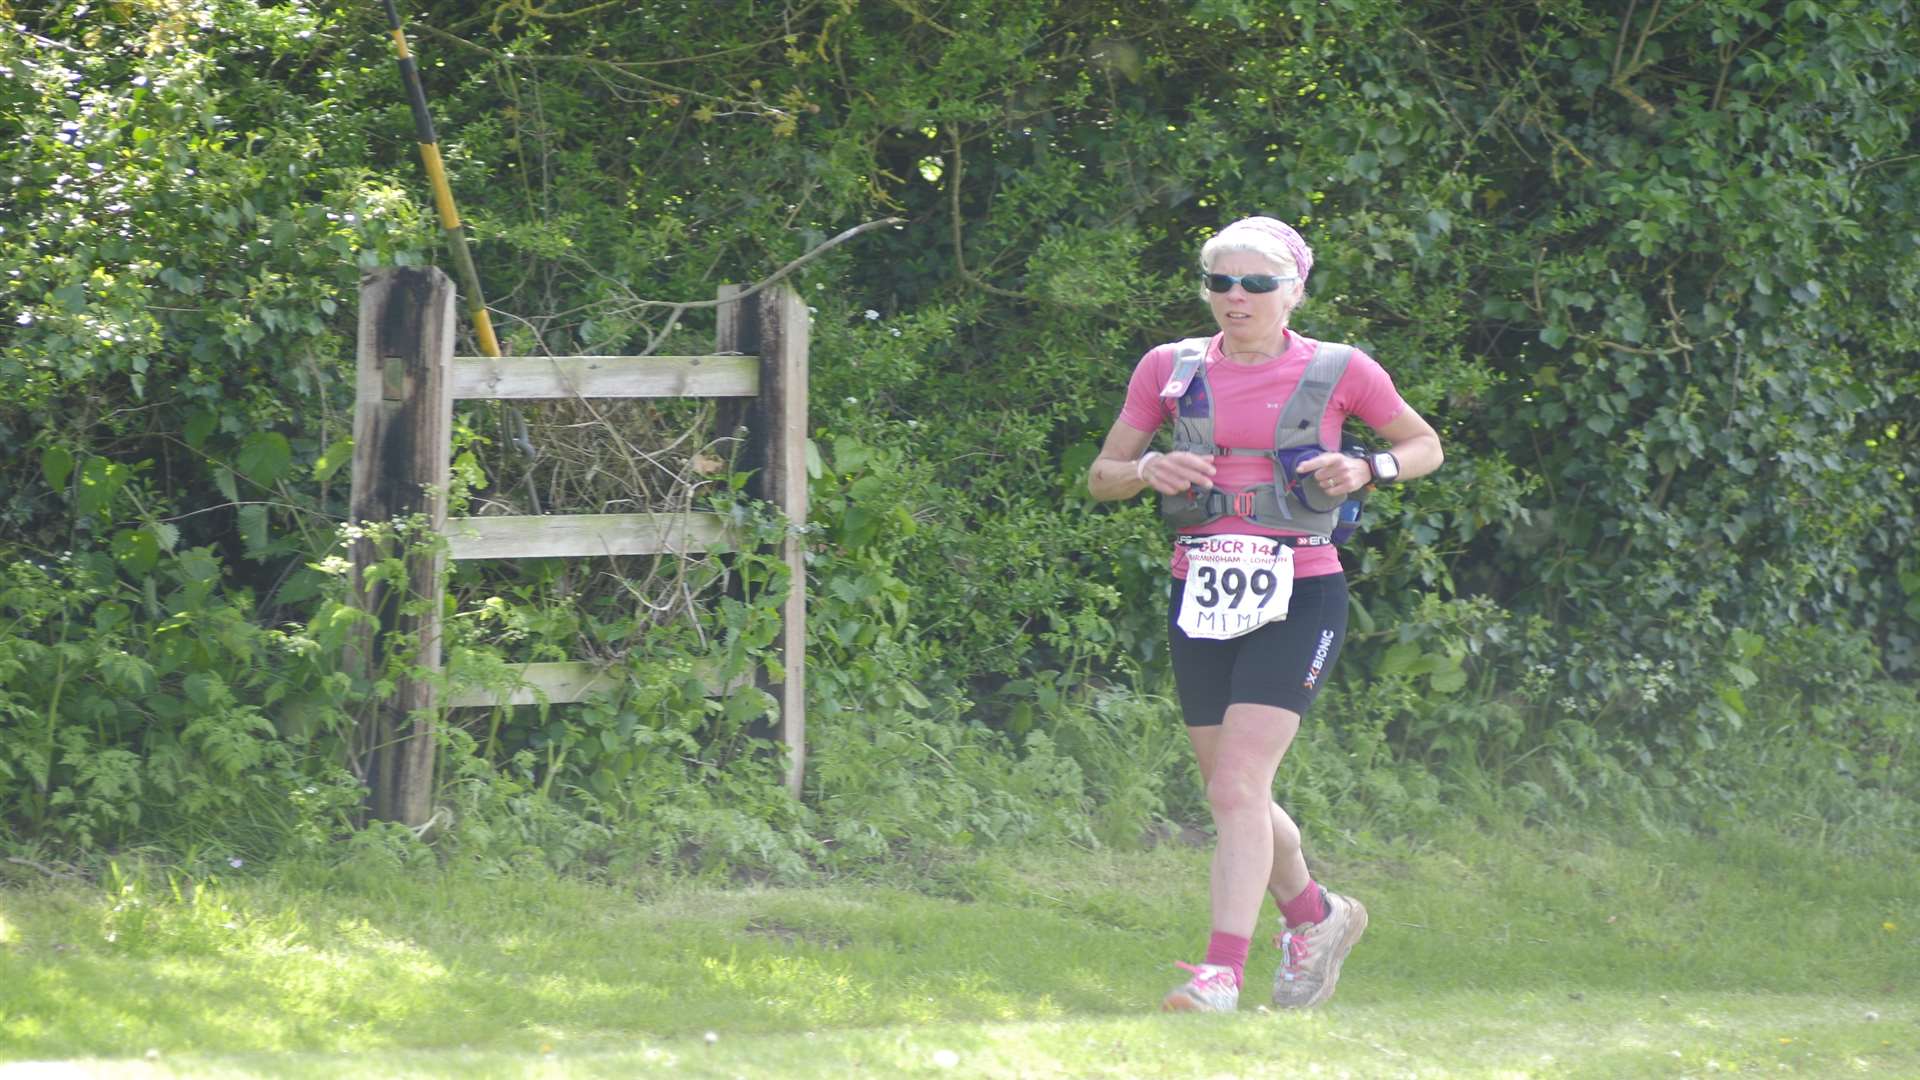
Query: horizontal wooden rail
576	535
504	377
561	681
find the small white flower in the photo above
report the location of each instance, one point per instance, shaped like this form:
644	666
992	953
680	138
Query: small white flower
872	314
236	862
894	330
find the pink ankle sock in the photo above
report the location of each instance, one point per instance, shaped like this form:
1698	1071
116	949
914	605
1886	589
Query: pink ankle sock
1309	907
1228	950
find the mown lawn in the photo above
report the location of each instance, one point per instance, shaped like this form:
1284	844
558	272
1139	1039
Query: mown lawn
1494	952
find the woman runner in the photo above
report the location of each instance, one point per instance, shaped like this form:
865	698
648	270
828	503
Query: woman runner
1258	604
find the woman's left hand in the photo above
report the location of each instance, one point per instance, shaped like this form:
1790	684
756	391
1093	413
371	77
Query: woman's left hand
1336	473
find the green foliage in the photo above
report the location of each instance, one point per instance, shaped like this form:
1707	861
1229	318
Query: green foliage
157	711
191	206
1654	274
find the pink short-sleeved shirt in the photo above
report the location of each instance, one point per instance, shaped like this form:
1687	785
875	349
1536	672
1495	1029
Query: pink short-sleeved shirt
1247	399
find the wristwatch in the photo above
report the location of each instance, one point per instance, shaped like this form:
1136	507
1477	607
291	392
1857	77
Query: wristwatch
1384	466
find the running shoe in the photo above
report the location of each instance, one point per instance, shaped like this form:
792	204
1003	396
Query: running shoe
1211	989
1310	956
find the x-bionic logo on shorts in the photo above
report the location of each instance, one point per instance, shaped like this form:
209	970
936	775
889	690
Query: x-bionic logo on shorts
1319	658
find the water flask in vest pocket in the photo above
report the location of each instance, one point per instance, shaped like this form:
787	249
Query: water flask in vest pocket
1305	492
1301	489
1349	521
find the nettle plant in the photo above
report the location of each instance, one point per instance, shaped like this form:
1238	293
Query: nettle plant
147	705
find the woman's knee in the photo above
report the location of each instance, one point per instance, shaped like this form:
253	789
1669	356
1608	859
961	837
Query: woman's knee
1230	791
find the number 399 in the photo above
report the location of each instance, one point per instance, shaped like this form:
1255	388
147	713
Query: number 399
1233	584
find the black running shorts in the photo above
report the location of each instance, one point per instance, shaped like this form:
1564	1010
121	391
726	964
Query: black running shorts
1283	664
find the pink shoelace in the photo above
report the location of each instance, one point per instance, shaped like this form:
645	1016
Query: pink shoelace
1204	978
1293	948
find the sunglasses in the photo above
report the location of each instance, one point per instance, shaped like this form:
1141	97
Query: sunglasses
1253	283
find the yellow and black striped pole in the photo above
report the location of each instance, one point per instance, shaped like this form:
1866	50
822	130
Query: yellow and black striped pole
442	194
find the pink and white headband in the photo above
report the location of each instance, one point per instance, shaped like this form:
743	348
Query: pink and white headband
1281	231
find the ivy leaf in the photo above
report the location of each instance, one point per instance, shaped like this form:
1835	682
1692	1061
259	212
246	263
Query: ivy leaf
136	550
330	459
100	481
56	464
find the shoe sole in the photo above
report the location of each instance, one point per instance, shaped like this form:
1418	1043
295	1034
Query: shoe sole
1179	1002
1355	927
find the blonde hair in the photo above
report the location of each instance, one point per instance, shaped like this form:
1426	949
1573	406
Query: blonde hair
1269	238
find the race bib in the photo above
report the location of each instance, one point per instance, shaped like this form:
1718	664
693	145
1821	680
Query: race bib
1235	584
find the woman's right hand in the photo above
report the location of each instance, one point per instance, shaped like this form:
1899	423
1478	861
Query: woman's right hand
1177	472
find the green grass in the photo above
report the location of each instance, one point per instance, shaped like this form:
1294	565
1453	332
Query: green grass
1501	953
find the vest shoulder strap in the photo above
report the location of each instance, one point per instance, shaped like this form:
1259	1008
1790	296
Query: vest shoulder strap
1188	355
1299	423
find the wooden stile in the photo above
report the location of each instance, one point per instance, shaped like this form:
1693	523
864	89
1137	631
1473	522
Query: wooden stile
408	379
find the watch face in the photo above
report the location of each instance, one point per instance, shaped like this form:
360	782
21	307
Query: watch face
1386	467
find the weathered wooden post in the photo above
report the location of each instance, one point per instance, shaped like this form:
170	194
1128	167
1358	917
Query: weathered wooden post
774	325
783	406
401	445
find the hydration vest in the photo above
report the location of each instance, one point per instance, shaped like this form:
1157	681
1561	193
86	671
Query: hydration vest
1286	503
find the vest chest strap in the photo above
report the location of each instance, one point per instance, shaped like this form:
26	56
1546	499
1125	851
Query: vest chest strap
1263	504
